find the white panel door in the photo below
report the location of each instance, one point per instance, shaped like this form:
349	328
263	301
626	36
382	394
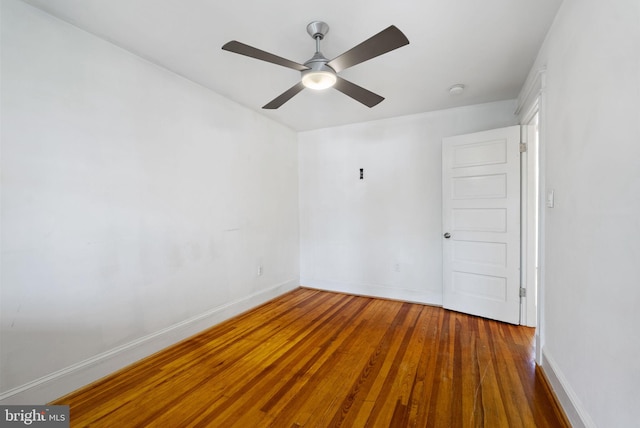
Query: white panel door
481	223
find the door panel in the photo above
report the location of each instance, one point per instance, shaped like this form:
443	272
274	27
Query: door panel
482	186
481	215
478	220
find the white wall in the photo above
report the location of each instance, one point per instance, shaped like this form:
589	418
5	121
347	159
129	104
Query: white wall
591	136
136	207
381	236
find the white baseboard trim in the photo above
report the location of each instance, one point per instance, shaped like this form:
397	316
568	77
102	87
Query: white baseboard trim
62	382
371	290
569	401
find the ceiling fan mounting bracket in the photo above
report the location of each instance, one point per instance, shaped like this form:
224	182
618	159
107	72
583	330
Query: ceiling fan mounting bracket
317	29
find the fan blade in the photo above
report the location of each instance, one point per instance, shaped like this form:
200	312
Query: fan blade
242	49
383	42
358	93
284	97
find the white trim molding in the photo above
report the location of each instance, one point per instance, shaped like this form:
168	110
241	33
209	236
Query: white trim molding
528	97
568	399
531	100
425	297
62	382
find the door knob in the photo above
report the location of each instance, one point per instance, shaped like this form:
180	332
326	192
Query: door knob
447	235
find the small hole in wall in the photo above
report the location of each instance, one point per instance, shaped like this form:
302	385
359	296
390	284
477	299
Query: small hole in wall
361	173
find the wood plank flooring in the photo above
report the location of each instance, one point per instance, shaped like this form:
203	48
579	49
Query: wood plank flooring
318	359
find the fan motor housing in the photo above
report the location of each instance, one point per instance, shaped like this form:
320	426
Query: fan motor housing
318	63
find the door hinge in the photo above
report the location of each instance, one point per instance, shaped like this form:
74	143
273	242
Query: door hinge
523	292
523	147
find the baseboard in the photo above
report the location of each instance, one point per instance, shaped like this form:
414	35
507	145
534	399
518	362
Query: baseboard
571	404
62	382
370	290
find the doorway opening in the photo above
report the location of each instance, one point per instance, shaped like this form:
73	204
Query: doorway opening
530	190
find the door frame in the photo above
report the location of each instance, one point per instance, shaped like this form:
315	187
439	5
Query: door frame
529	219
531	102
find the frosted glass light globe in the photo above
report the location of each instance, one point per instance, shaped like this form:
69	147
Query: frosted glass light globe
318	79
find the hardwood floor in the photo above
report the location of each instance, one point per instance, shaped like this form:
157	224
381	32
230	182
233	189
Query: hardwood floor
318	359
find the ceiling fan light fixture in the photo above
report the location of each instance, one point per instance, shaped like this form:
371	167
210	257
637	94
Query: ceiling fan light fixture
318	79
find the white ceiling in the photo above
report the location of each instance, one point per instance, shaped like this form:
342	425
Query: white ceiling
488	45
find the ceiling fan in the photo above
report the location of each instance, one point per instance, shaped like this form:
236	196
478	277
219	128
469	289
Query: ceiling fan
319	72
